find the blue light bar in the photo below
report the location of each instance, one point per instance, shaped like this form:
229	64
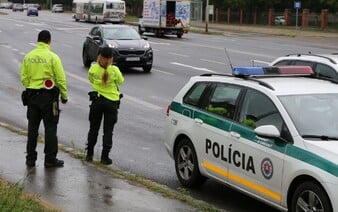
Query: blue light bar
247	71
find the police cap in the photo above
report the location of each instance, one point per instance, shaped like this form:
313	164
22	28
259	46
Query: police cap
44	36
106	52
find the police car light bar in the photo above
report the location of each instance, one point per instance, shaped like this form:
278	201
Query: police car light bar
303	70
271	70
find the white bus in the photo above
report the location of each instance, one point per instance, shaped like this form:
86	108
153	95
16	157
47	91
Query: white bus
99	11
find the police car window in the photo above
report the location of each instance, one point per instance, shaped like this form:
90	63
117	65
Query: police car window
325	71
195	93
282	63
303	63
258	110
223	99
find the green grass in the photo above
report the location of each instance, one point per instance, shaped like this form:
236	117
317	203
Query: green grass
131	18
12	199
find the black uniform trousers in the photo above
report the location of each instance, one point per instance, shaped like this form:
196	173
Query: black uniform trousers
40	107
102	107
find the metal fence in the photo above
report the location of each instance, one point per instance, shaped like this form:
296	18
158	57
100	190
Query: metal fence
261	18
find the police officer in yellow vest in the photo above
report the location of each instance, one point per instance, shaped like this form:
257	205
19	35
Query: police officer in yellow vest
105	98
43	77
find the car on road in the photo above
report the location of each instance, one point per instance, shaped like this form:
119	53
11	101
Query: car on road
279	20
269	132
17	7
32	11
6	5
57	8
324	65
129	48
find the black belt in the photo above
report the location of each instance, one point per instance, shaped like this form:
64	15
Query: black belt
41	90
102	97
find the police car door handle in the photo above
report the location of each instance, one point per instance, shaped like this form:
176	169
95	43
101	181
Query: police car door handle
235	134
198	121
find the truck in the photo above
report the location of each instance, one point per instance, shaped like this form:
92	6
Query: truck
165	17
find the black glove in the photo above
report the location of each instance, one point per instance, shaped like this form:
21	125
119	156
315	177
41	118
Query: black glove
64	101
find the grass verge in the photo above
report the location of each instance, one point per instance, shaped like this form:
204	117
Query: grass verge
12	198
180	194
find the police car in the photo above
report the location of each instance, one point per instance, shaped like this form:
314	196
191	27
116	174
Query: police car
269	132
323	65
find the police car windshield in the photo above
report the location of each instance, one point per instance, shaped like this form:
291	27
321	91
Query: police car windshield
321	137
314	115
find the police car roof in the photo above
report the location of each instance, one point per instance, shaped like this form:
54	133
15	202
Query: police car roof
281	85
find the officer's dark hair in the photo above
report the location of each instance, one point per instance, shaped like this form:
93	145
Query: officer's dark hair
44	36
106	52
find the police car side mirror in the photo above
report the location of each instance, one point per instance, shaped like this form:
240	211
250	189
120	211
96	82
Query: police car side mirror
268	131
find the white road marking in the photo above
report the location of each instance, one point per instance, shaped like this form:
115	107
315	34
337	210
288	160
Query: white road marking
131	98
66	45
222	48
255	62
152	42
193	67
32	44
72	28
181	55
145	148
212	61
19	25
163	72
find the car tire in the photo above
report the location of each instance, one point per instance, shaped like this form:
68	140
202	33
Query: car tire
306	192
186	165
147	69
140	30
86	61
158	34
179	35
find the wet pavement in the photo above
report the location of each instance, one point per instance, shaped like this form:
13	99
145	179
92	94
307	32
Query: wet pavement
78	186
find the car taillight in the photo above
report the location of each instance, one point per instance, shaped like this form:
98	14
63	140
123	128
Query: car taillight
168	110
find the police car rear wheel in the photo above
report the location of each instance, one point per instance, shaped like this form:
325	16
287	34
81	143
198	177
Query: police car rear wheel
309	196
186	165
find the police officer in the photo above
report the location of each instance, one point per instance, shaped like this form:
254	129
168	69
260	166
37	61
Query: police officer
43	77
105	98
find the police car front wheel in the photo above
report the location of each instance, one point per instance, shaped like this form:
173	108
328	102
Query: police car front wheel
186	165
309	196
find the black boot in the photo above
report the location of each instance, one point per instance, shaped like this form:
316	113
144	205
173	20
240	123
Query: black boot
105	157
90	153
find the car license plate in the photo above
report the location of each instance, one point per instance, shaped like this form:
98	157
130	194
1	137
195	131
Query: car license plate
132	59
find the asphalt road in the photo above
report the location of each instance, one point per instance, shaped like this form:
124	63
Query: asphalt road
138	139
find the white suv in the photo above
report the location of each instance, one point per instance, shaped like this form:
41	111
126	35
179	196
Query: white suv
273	137
324	65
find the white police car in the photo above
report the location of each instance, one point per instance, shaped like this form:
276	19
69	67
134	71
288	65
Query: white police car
323	65
273	136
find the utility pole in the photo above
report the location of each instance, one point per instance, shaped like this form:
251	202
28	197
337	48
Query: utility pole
206	16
